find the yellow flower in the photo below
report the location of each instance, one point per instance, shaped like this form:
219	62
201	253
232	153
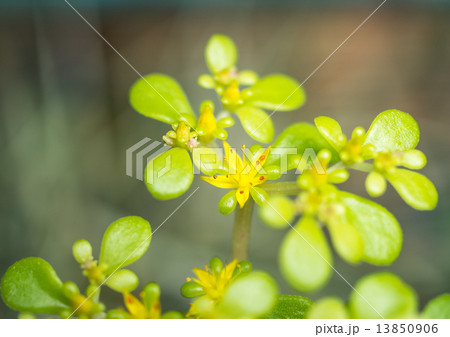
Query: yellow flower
142	310
207	126
242	175
214	285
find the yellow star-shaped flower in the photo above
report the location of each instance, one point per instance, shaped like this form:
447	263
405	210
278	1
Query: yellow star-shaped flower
242	175
214	284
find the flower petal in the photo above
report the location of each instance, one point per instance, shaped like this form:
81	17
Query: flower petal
242	196
220	181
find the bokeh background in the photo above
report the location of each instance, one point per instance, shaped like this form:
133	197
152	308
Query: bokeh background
65	122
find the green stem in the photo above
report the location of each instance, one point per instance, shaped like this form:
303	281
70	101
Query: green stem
284	187
241	231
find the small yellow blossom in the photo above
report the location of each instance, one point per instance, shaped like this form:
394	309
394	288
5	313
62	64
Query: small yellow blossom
139	310
242	175
214	285
207	126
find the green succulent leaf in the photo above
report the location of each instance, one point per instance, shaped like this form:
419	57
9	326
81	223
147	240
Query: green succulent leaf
328	308
304	255
388	296
209	160
256	123
393	130
278	212
250	296
298	137
31	285
347	241
331	131
160	97
170	174
125	241
123	280
290	307
438	308
414	188
380	232
220	53
275	92
259	195
228	203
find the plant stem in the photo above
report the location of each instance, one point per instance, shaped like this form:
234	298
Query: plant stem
241	231
284	187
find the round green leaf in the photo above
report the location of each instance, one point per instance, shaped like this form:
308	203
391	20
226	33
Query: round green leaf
160	97
330	130
275	92
290	307
414	188
259	195
295	140
209	159
328	308
170	174
256	123
393	130
347	241
383	294
278	212
438	308
123	280
228	203
31	285
125	241
250	296
220	53
379	230
305	257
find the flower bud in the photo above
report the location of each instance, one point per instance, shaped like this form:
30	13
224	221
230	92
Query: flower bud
216	265
192	289
70	289
82	251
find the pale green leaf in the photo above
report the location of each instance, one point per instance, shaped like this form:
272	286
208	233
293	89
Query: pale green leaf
298	139
275	92
379	230
125	241
209	159
259	195
347	241
328	308
438	308
278	212
331	131
393	130
170	174
227	203
220	53
256	123
305	257
160	97
249	296
290	307
414	188
31	285
383	295
123	280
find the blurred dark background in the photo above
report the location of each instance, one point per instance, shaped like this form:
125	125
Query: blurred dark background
65	122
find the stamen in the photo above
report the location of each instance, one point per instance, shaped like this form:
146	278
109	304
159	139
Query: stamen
262	157
241	191
261	178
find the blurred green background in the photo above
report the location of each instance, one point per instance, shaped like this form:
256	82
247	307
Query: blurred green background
65	122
